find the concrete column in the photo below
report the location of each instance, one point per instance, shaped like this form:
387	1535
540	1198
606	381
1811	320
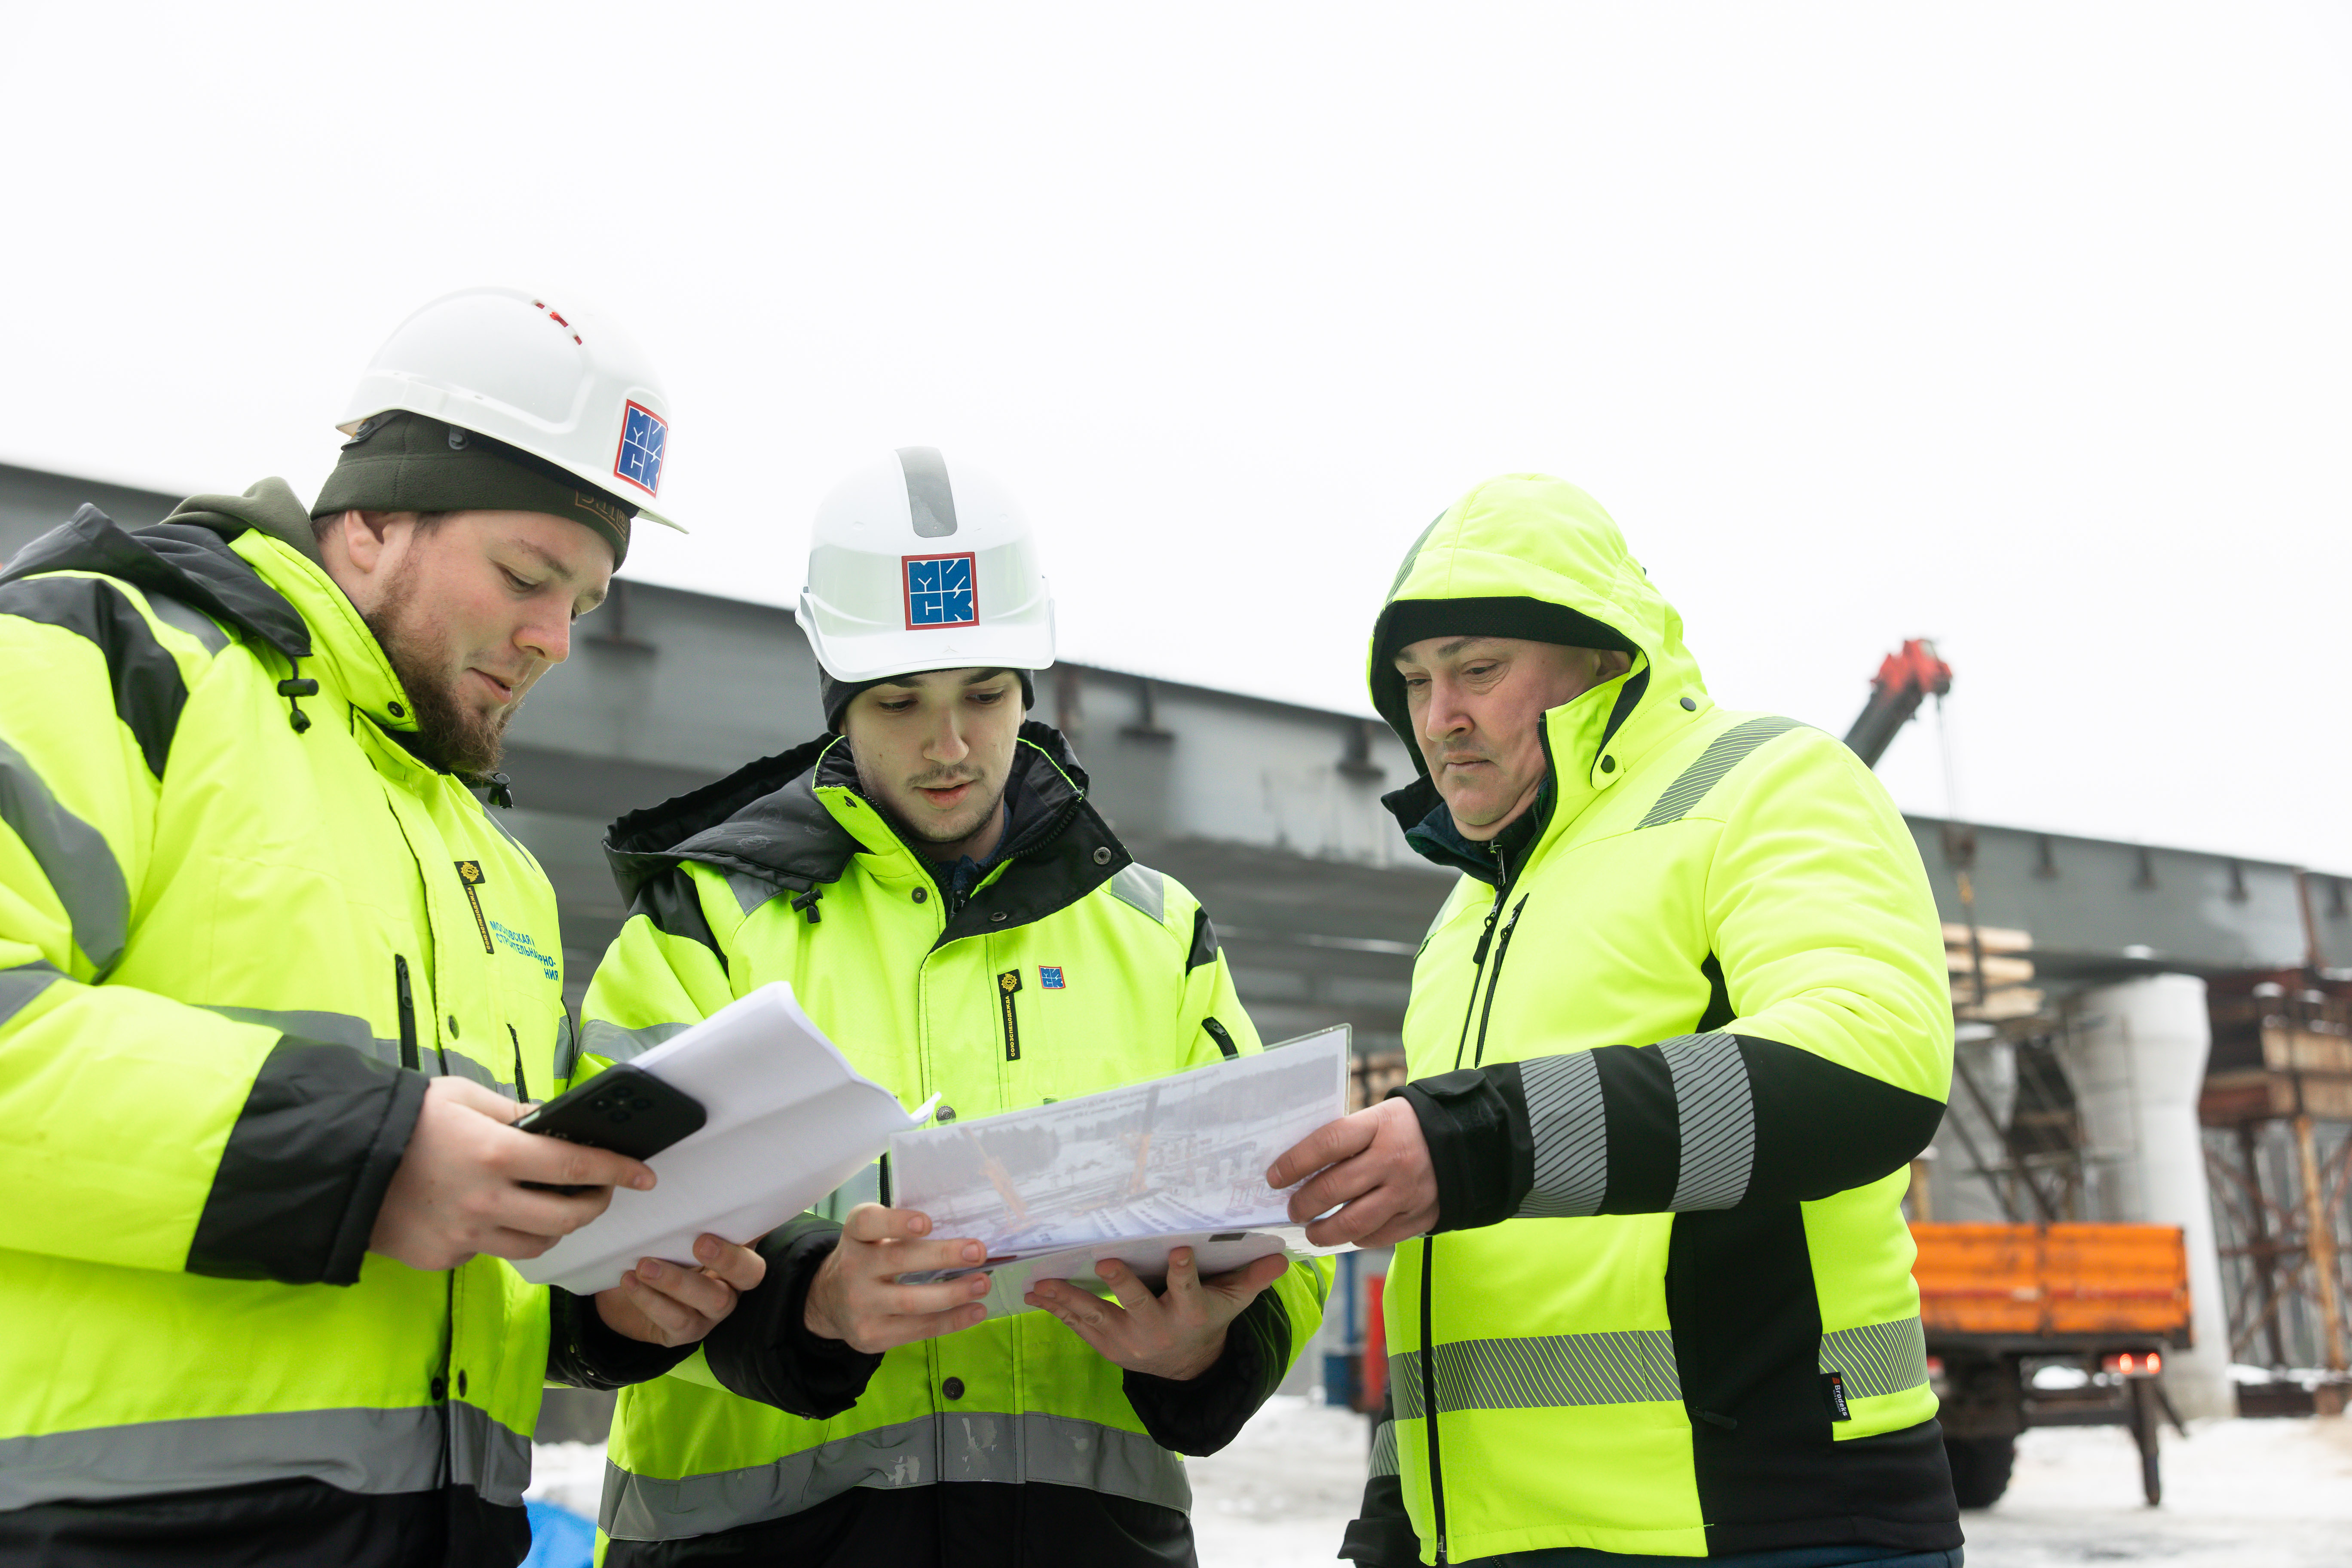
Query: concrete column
2137	1060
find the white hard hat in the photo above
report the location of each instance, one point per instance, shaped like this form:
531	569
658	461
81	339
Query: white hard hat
910	569
556	382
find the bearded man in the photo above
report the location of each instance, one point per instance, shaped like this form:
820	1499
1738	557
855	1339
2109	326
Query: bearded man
274	983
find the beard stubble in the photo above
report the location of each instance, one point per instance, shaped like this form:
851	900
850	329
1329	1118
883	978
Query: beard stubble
450	734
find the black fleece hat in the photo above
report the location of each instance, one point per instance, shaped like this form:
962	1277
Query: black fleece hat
400	461
837	695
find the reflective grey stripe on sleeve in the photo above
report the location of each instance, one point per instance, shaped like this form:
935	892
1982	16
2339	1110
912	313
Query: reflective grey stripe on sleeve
955	1445
372	1451
1142	887
1570	1134
18	986
1723	754
1384	1452
73	856
616	1044
334	1028
1629	1366
1877	1358
1719	1121
488	1456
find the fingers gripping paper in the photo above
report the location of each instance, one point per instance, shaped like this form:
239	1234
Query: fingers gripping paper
1131	1172
789	1119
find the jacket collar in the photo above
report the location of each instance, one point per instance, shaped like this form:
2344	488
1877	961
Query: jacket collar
1593	744
796	820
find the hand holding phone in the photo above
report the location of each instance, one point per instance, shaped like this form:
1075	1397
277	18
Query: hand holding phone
624	1109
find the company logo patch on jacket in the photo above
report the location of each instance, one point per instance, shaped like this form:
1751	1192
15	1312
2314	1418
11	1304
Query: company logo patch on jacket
469	877
643	434
940	591
524	945
1049	976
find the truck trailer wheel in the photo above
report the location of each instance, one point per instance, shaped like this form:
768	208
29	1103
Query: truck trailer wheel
1980	1468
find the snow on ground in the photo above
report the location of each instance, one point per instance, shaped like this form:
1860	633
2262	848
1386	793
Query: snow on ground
2237	1494
569	1475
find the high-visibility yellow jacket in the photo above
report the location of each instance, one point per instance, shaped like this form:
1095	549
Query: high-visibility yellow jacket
1672	1039
1067	970
234	944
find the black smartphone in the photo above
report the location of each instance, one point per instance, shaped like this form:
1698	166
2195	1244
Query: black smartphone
624	1108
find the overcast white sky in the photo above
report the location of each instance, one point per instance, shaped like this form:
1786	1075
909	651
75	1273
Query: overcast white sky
2025	328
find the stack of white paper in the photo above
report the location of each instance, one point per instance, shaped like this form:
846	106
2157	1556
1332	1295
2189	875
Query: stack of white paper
788	1120
1130	1174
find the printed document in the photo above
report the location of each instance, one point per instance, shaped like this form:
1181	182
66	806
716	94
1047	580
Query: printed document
788	1120
1131	1172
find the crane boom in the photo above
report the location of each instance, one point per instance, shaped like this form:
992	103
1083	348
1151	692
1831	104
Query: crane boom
1906	679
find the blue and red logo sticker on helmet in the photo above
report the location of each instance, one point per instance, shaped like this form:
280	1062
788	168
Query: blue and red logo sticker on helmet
940	591
643	434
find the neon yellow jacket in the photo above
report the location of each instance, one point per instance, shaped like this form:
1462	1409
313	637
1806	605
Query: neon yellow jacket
1672	1039
225	944
1069	969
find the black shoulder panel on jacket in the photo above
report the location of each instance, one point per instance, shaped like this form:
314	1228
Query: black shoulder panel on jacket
669	900
181	560
297	1188
148	690
1204	940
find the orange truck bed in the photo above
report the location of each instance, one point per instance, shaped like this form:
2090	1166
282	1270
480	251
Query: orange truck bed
2015	1279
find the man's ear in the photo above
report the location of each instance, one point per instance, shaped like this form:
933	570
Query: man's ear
1613	662
367	534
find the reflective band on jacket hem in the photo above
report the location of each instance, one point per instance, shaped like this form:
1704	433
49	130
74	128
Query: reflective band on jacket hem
1717	1121
73	856
1877	1358
334	1028
18	986
616	1044
952	1447
373	1451
1723	754
1570	1135
1630	1366
488	1456
1384	1452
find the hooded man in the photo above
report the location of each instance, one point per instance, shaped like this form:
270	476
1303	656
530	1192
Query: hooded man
273	982
1671	1043
929	878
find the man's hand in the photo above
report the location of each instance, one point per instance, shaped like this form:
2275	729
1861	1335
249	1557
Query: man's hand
1178	1335
664	1304
456	1191
1376	1163
856	1296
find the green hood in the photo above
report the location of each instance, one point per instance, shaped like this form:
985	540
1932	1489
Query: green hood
1528	556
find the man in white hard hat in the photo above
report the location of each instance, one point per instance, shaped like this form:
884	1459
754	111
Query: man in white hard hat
273	982
932	879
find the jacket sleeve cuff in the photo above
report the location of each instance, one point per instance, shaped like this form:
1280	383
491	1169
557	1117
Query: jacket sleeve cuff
307	1165
585	1351
765	1350
1475	1124
1201	1415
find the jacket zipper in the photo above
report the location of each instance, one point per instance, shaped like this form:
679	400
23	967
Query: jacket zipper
408	1058
1495	978
1222	1037
523	1089
1429	1243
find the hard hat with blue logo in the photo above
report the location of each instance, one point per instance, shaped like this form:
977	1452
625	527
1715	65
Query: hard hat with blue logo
543	376
914	565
